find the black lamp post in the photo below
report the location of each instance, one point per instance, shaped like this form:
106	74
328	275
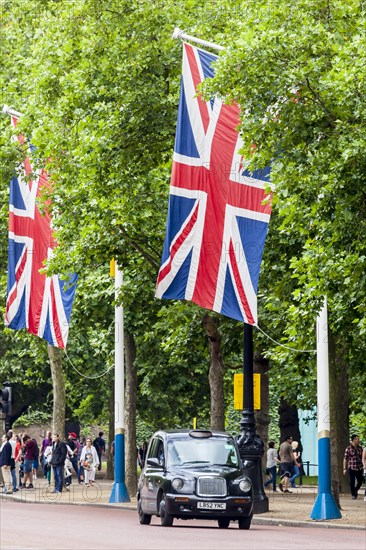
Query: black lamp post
250	444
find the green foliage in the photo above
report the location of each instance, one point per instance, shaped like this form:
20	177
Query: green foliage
33	416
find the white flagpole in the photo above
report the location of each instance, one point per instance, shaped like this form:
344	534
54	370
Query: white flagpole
325	506
9	111
181	34
119	491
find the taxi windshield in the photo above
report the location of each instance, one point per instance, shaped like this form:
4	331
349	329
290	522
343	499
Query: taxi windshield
191	452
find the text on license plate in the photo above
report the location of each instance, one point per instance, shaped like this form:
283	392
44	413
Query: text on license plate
212	505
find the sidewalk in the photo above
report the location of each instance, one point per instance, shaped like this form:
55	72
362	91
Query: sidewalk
284	509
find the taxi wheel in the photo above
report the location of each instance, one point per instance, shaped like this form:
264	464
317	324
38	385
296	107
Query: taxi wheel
165	519
244	523
223	523
145	519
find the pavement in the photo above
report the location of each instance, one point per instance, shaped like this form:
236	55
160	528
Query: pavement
284	509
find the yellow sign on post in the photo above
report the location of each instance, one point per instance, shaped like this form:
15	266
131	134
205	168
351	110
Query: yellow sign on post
239	389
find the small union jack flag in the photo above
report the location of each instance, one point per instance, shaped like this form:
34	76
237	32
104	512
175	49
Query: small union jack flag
36	302
218	212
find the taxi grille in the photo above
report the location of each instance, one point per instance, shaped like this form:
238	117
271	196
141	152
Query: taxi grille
211	487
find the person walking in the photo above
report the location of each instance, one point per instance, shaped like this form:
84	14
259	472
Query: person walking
272	462
72	442
287	464
5	464
13	444
99	444
58	457
364	470
297	463
35	463
90	461
30	452
18	460
47	456
46	442
352	464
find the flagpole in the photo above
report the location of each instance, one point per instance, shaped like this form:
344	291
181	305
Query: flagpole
250	444
119	491
181	34
9	111
325	506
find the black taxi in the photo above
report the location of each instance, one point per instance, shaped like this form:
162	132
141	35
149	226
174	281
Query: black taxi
194	474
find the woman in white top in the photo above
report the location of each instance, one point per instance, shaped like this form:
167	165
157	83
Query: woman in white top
90	461
272	462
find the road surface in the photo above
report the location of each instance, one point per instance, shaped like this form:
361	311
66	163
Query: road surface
68	527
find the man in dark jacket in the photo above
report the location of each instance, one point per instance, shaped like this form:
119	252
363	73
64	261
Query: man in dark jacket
58	457
5	463
99	445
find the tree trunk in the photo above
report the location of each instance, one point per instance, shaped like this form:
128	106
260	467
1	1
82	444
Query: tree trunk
216	374
289	422
59	393
262	418
110	459
339	412
130	414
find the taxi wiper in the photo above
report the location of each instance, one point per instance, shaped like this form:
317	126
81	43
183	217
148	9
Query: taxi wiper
197	462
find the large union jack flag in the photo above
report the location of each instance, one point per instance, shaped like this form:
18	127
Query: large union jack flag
39	303
218	212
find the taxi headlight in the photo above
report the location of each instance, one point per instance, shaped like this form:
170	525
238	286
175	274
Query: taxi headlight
177	483
245	485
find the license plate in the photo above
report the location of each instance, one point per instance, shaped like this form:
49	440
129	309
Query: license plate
211	505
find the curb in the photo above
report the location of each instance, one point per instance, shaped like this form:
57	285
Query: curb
306	523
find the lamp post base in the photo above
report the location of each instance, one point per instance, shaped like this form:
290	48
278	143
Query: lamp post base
252	464
251	449
119	493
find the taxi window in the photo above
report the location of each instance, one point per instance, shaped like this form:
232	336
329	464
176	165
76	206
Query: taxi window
189	451
156	450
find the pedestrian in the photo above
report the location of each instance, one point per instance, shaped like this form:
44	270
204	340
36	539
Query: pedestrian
352	464
297	463
46	442
18	460
99	444
89	461
5	464
47	456
73	444
142	454
81	445
35	463
364	470
13	473
30	452
67	473
287	464
58	457
272	462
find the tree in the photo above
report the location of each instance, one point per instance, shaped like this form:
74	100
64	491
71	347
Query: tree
305	113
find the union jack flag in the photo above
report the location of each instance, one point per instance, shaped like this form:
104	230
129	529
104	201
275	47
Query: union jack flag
34	301
218	214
